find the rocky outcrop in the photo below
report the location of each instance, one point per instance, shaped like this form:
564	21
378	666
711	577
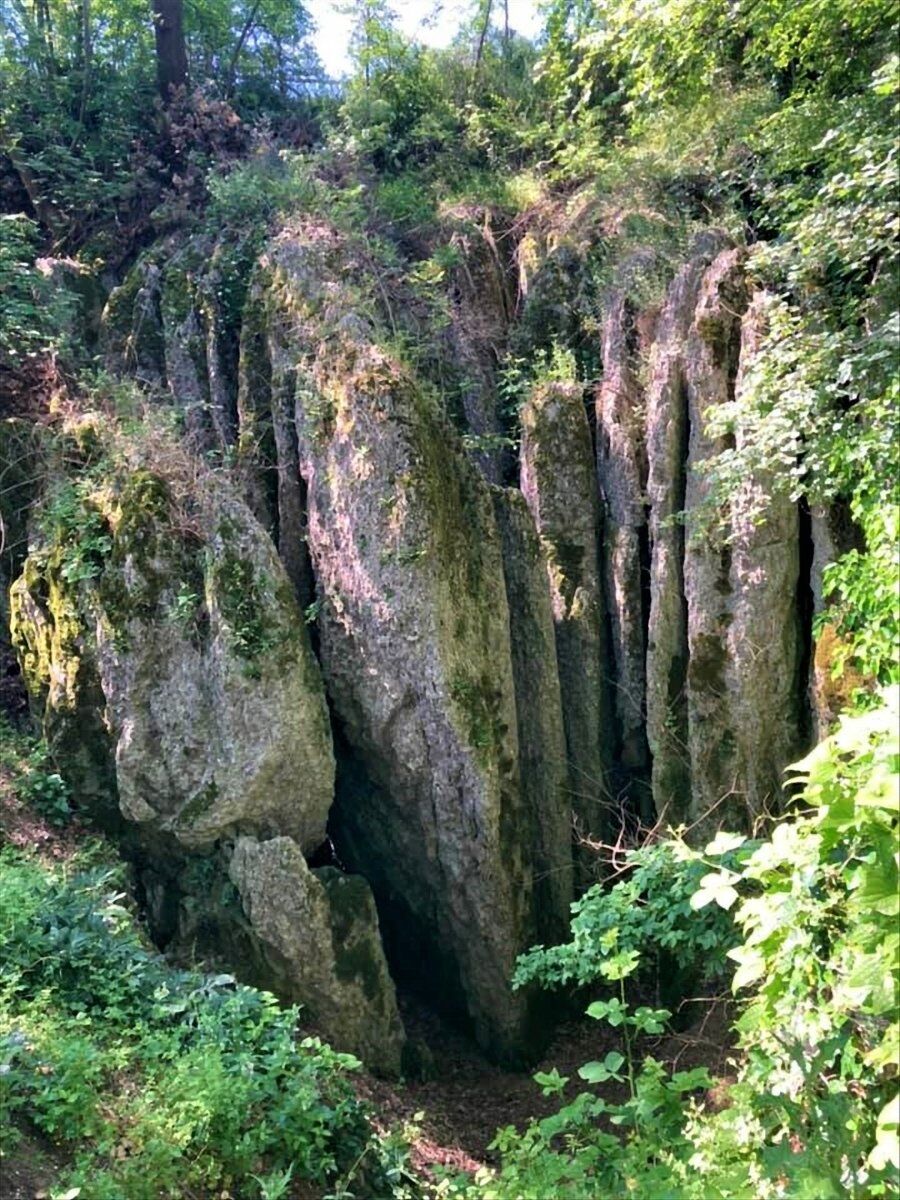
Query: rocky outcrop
726	712
164	649
131	324
542	743
710	359
765	643
668	434
319	931
622	474
173	324
559	482
414	639
482	302
212	709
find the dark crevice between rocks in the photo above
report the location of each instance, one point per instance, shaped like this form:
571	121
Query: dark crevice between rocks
642	787
805	607
412	945
678	673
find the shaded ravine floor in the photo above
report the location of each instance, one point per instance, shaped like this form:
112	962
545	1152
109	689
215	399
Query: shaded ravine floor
466	1099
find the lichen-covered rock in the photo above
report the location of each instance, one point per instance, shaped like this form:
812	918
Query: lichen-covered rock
414	635
559	483
159	637
668	431
482	303
131	324
765	642
726	706
711	357
319	931
542	742
622	473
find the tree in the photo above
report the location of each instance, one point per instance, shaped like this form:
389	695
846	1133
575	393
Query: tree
171	49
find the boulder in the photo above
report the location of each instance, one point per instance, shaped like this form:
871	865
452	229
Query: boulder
319	932
163	647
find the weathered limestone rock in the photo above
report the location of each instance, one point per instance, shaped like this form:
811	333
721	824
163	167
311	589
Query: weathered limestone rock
559	484
173	325
668	432
726	711
764	676
542	742
268	434
482	303
710	363
622	473
319	930
184	652
202	287
414	635
131	324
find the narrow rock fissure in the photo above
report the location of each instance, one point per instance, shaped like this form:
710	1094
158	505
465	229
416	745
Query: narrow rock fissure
805	607
420	971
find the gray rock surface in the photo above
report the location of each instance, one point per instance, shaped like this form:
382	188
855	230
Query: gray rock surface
622	473
319	931
414	634
542	742
559	482
194	663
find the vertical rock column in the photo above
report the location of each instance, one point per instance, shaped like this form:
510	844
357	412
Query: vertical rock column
559	483
710	362
415	645
622	473
726	710
766	659
668	432
542	741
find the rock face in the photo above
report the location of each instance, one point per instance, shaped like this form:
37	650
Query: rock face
319	930
559	483
598	643
622	474
415	644
725	709
482	302
542	742
180	695
212	708
173	324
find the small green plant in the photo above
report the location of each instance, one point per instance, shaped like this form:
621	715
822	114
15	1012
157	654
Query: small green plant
45	790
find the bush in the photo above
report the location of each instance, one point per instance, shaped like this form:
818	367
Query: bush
815	1110
159	1080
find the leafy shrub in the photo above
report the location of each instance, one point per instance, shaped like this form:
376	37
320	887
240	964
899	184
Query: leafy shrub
43	789
32	313
160	1080
815	1110
648	915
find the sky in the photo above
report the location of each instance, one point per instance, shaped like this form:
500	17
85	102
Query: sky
416	18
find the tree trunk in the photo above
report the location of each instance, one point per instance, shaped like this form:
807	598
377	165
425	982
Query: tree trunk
486	24
171	51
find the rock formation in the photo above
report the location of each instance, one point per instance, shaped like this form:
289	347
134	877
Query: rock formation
351	637
559	482
179	692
